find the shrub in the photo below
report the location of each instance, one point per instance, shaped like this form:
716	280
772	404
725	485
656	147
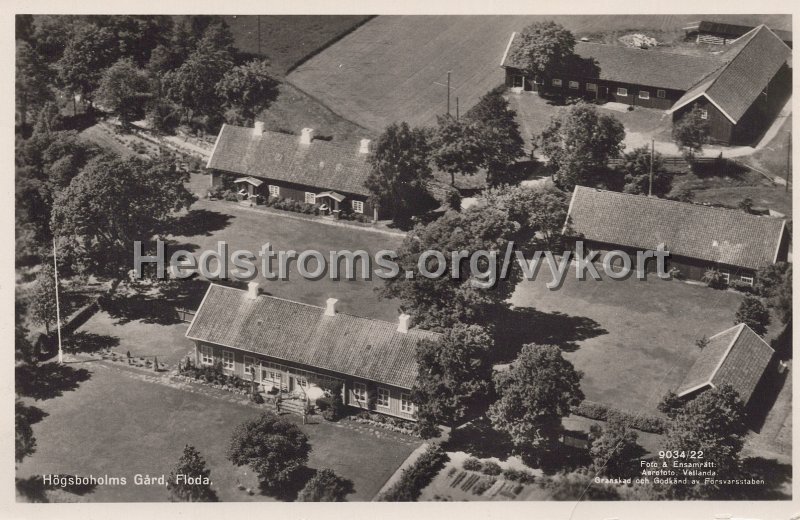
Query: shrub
521	476
257	398
600	412
417	476
741	286
472	464
323	403
714	279
491	468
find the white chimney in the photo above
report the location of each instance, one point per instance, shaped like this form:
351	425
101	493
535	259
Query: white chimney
403	323
330	307
258	129
364	148
306	135
252	290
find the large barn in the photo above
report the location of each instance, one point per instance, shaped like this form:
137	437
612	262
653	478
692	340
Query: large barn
698	237
286	345
737	357
274	164
739	91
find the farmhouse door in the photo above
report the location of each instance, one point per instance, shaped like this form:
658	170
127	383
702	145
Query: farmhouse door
603	93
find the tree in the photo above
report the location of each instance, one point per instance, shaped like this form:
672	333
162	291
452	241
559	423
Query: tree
273	448
458	295
31	81
712	423
453	377
578	143
24	441
42	299
325	486
540	213
774	283
124	90
191	465
193	85
636	168
543	47
614	448
456	147
536	392
111	204
498	136
248	88
691	132
89	51
754	314
400	170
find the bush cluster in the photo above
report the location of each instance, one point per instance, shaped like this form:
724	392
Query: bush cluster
472	464
394	424
417	476
601	412
214	375
741	286
292	205
519	475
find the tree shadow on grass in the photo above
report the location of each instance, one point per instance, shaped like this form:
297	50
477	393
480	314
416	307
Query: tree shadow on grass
48	380
141	307
479	439
288	492
89	342
522	325
34	489
199	222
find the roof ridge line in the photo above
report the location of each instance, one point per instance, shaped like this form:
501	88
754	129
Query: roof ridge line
653	50
677	202
366	318
727	353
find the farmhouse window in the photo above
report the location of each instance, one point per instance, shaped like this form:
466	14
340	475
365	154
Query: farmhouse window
661	94
622	91
747	279
360	392
271	373
249	365
703	113
574	85
726	276
227	360
556	82
591	87
383	398
311	198
206	355
644	94
358	206
274	191
406	406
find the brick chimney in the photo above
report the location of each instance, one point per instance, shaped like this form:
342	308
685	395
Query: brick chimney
252	290
364	147
330	307
306	135
258	129
403	323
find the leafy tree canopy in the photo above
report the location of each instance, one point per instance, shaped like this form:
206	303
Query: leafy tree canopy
543	47
636	168
691	132
191	464
325	486
754	314
248	88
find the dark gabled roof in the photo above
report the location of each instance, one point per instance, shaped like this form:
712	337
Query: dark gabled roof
751	63
299	333
718	235
628	65
735	357
278	156
734	31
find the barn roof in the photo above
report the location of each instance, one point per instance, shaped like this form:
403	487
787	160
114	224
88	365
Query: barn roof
751	63
628	65
274	155
736	356
718	235
299	333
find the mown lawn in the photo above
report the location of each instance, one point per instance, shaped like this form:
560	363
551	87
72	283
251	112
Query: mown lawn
116	425
633	340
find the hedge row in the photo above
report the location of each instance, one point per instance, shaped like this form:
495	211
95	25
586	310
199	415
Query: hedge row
417	476
601	412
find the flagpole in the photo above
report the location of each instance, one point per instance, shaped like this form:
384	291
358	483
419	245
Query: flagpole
58	308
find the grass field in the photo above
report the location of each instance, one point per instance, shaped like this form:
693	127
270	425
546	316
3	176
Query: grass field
118	425
394	68
634	340
286	40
